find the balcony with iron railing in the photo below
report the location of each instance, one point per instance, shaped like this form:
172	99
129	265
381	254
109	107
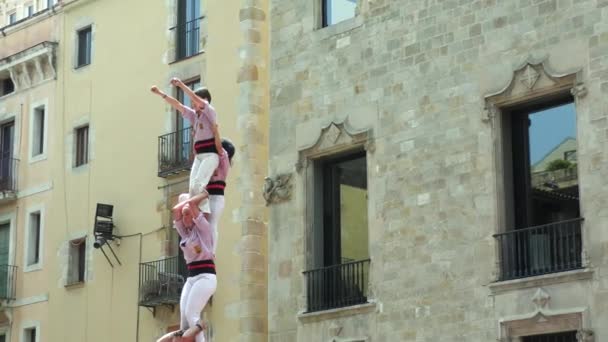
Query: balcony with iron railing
188	40
534	251
161	281
175	152
337	286
8	277
8	179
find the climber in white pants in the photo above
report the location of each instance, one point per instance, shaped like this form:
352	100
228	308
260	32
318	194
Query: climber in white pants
197	244
216	187
207	141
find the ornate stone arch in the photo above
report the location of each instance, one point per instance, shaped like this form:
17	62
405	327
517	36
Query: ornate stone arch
533	80
544	320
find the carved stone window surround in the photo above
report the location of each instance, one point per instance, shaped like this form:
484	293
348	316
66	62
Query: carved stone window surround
544	320
532	82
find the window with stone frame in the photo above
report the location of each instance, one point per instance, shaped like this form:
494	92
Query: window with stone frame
28	10
84	45
188	28
12	18
6	84
335	11
77	261
543	232
341	259
30	334
81	146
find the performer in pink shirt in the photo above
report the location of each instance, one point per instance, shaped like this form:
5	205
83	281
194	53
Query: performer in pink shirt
217	185
207	141
198	245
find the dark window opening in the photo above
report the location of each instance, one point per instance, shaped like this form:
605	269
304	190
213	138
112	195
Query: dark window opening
84	47
341	274
82	146
30	335
6	86
188	28
544	165
38	131
345	210
543	223
559	337
34	237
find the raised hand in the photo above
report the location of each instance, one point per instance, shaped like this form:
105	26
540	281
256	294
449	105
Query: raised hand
155	90
176	82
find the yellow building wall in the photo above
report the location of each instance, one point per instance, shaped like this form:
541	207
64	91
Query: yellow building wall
130	53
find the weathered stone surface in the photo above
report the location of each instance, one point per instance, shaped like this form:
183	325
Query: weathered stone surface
416	73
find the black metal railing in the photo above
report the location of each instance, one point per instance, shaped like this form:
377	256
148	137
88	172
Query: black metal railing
8	174
175	152
161	281
569	336
8	277
550	248
337	286
187	38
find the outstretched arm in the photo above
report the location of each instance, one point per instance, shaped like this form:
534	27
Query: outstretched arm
193	97
169	99
195	201
218	140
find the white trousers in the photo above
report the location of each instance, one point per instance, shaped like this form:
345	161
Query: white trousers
203	167
195	295
216	204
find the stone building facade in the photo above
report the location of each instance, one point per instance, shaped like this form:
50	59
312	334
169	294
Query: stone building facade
430	94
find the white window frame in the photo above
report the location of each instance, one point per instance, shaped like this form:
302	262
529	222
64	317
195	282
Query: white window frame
37	266
75	146
6	331
11	219
26	325
75	36
8	17
70	270
42	156
26	14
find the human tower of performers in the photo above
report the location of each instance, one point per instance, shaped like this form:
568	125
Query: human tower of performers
197	213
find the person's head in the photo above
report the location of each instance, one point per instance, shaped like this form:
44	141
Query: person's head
203	93
186	211
187	216
229	147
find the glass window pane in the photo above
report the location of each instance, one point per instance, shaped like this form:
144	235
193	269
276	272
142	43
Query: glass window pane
339	10
553	164
353	210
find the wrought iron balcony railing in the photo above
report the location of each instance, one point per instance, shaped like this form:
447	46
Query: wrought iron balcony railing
550	248
337	286
8	277
161	281
175	152
187	39
8	174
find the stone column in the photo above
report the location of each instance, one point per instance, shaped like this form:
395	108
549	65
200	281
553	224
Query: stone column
252	123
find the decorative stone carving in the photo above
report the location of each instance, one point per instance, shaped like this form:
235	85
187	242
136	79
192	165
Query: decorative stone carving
585	335
579	91
277	189
335	330
532	79
31	66
541	300
529	76
370	146
489	113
